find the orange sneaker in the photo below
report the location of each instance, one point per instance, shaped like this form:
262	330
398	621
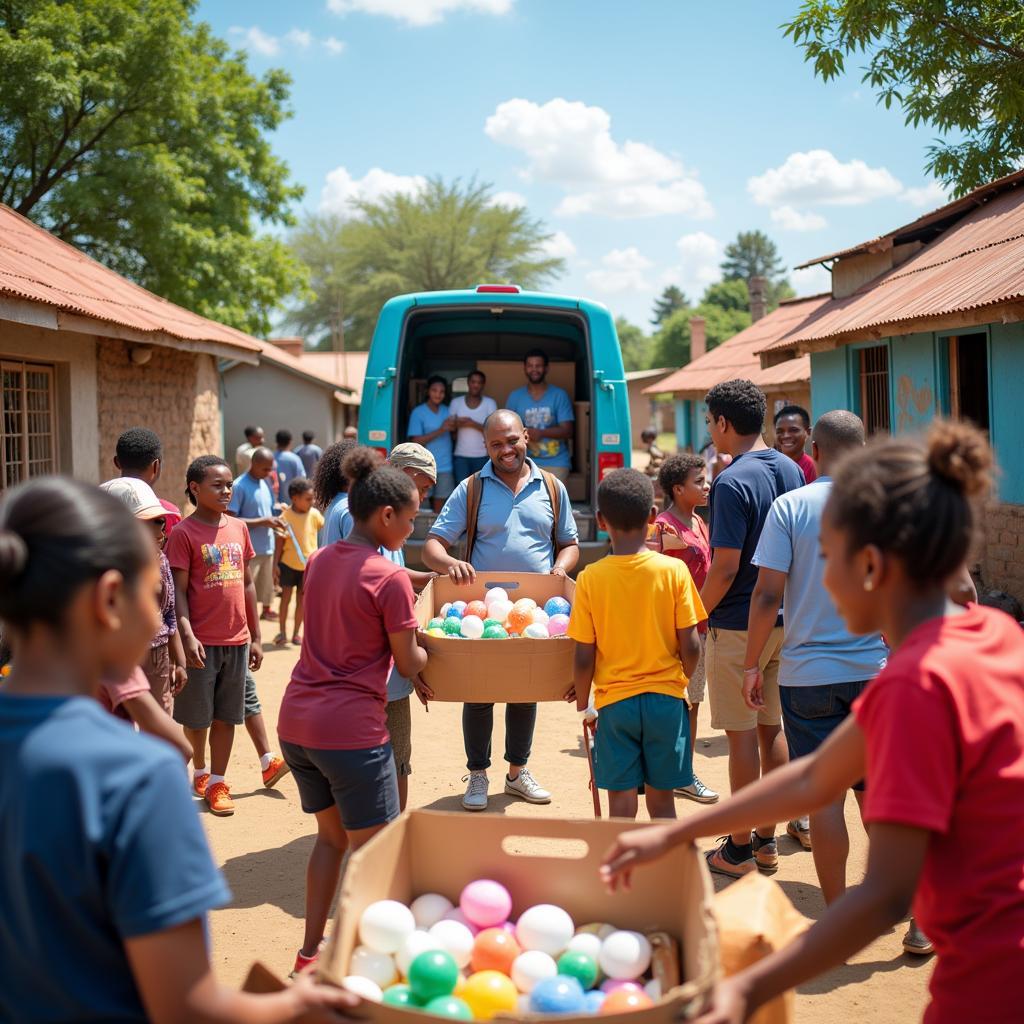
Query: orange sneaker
275	771
303	962
218	797
199	783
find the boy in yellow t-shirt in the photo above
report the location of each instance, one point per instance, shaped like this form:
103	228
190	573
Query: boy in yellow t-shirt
292	549
634	621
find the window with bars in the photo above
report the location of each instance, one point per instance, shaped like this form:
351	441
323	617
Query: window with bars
28	427
874	389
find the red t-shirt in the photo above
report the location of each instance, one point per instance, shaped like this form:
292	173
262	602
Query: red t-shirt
173	516
806	463
215	557
113	694
353	598
944	729
697	552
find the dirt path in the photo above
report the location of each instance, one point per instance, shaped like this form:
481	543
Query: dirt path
263	851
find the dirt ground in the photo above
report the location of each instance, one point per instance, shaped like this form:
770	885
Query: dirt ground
263	849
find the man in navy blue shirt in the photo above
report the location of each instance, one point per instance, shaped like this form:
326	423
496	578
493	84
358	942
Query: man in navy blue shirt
741	497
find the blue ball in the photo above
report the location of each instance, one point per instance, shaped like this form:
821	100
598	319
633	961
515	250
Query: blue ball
593	1000
460	607
557	606
560	994
454	613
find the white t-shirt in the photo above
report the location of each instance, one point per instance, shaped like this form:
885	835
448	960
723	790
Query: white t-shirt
470	442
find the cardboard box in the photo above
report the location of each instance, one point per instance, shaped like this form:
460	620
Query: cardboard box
496	671
539	860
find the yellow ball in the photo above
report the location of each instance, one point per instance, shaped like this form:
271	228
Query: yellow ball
436	632
489	993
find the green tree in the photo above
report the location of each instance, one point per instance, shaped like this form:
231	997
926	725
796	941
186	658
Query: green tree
731	294
754	254
132	132
450	235
670	300
636	346
672	342
954	65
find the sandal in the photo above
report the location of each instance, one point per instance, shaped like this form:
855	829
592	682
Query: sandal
297	639
269	616
280	640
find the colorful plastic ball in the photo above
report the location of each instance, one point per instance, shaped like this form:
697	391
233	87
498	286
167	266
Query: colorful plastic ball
593	1001
491	622
436	632
494	950
418	942
472	627
452	626
625	1001
477	608
558	625
363	987
378	967
518	621
611	985
499	609
532	967
451	1007
384	925
580	966
653	989
432	974
625	955
459	606
495	594
399	995
545	927
495	633
455	938
485	903
536	631
429	908
524	604
541	616
598	928
445	609
456	914
557	606
559	994
586	942
436	623
489	993
453	613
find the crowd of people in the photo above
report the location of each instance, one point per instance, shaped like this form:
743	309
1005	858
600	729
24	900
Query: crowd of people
818	606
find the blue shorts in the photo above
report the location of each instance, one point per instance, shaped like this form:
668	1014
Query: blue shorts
363	783
643	740
810	714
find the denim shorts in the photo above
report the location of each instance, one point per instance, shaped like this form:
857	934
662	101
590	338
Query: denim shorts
810	714
363	783
643	740
442	489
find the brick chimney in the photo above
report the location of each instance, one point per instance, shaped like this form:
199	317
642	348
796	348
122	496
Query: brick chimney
758	287
293	346
698	337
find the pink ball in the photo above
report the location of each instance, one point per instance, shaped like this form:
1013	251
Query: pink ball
455	914
485	903
558	625
615	985
510	927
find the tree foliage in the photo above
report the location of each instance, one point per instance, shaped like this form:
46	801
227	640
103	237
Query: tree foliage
954	65
450	235
754	254
636	346
670	300
672	342
136	135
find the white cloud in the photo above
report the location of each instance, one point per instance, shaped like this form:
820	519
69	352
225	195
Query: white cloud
571	144
341	188
513	200
931	195
419	12
300	37
622	270
699	257
818	177
333	46
811	280
559	246
793	220
256	40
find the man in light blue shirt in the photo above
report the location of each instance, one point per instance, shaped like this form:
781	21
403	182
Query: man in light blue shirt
547	414
515	532
309	454
824	667
431	425
253	503
287	465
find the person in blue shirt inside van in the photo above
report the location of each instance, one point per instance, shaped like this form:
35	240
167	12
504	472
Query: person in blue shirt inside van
516	530
431	425
546	413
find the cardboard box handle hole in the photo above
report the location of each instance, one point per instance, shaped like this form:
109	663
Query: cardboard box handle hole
541	846
511	585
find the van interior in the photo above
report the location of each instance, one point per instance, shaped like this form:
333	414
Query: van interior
454	341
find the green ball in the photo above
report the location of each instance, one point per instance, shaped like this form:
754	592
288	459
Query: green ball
492	622
495	633
451	1007
452	626
432	974
580	966
399	995
437	623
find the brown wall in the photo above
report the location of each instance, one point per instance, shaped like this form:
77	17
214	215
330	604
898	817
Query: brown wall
1002	561
176	394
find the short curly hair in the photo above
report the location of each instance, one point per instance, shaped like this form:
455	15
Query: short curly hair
196	472
137	449
675	470
625	499
741	402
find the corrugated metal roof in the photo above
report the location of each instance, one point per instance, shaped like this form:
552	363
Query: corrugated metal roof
738	357
346	369
300	366
633	375
37	267
976	263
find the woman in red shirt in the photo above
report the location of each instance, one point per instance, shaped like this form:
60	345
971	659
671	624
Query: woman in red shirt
939	736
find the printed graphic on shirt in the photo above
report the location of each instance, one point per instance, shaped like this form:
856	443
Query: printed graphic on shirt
542	417
223	564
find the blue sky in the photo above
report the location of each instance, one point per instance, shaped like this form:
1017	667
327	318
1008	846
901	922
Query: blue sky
644	135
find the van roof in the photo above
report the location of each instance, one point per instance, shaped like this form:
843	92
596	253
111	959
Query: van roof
472	297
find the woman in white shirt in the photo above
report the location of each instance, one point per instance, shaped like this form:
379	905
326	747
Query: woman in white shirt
470	411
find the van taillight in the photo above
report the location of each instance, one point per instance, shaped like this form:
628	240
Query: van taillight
501	289
607	461
383	452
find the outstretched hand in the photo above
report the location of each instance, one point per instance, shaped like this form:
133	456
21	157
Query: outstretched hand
639	846
729	1004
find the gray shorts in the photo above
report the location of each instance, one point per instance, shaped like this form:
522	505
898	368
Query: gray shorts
441	491
262	569
215	691
252	701
400	730
698	681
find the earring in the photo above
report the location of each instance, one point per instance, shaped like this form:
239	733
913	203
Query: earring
869	584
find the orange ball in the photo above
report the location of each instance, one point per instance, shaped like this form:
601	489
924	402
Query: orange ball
477	608
625	1001
494	950
518	621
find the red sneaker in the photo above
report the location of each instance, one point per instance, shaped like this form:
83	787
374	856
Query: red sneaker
275	771
199	783
218	798
303	963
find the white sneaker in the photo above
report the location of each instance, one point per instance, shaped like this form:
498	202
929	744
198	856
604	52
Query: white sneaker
699	792
475	798
524	786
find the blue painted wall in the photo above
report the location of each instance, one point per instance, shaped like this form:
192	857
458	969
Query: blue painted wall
830	387
913	376
1006	369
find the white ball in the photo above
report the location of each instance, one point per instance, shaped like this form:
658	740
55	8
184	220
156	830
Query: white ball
472	627
455	938
495	594
499	610
363	987
586	942
545	927
536	631
625	955
530	967
378	967
445	609
540	616
385	924
412	946
429	908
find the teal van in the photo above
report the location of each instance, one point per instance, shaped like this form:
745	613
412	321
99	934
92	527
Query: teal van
491	328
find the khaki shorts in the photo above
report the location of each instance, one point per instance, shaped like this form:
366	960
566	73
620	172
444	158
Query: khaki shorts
262	569
400	731
695	685
726	653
